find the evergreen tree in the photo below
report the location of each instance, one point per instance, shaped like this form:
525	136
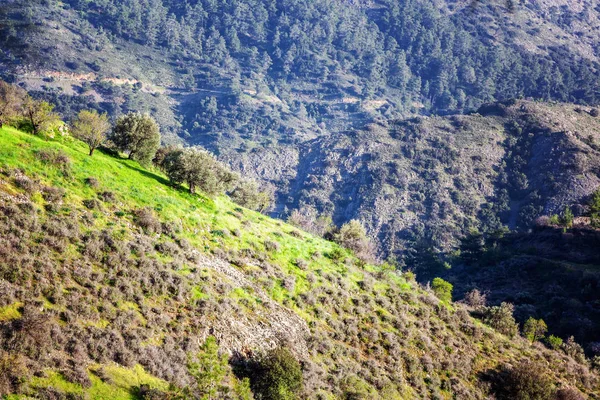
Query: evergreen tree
208	370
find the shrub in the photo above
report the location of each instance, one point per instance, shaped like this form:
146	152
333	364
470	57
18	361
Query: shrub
91	204
567	217
13	371
574	350
208	369
595	209
53	194
308	219
144	218
475	299
353	236
276	376
355	388
92	182
534	329
271	246
527	380
56	158
107	197
568	394
501	319
554	342
442	289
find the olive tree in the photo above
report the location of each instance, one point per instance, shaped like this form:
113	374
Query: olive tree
12	99
91	128
39	114
138	135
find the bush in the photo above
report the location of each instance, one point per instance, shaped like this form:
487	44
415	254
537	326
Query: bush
595	209
475	299
56	158
208	369
144	218
276	376
554	342
308	219
501	319
527	380
567	217
534	329
13	371
574	350
568	394
442	289
353	236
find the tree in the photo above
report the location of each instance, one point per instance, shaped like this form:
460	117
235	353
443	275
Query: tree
534	329
91	128
40	115
201	170
554	342
247	194
169	159
11	102
277	376
501	319
595	209
208	369
137	134
567	217
471	247
442	289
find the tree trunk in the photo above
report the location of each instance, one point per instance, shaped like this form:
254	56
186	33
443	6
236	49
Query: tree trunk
92	151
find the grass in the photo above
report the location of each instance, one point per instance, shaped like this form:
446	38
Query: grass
206	222
123	382
10	312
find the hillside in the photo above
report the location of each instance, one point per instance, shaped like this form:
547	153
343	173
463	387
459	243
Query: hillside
111	279
551	273
274	88
426	181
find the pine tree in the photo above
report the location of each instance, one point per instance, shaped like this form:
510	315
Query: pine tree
208	369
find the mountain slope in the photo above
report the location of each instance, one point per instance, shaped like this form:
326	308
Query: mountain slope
429	180
104	266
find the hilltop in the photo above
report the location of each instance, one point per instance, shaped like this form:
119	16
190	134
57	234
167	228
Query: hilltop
111	279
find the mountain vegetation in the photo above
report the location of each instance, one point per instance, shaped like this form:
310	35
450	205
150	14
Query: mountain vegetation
437	163
116	284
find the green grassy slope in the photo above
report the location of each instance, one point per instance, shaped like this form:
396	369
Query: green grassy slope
110	283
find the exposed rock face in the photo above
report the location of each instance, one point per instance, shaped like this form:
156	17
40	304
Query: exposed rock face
505	165
264	329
